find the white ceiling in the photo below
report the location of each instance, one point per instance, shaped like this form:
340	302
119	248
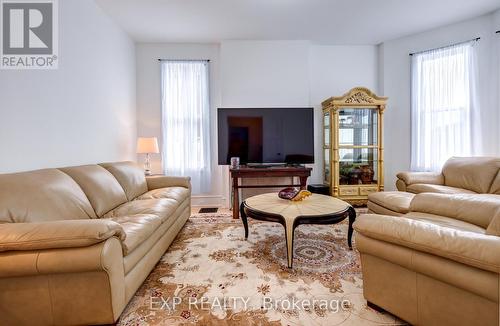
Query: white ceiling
321	21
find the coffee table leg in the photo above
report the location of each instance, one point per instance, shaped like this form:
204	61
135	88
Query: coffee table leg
289	228
244	219
352	218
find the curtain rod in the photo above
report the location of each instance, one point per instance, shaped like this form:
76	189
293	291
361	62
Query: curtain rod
442	47
184	60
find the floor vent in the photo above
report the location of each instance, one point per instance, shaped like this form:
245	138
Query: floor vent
208	210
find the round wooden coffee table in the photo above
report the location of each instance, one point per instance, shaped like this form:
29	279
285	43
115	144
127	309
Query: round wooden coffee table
316	209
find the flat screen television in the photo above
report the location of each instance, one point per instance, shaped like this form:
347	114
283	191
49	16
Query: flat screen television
266	135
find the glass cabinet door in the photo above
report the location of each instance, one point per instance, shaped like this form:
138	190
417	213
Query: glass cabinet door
326	128
358	166
326	147
358	127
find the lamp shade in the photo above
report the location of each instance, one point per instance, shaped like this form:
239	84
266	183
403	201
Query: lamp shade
146	145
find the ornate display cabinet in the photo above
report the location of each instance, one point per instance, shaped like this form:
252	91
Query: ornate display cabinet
353	145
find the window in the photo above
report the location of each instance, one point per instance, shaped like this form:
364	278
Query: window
186	122
441	105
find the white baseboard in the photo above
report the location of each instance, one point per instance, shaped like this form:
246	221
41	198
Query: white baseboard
207	200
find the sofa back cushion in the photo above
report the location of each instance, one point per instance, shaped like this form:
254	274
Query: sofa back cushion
40	196
472	173
130	176
495	186
477	209
102	189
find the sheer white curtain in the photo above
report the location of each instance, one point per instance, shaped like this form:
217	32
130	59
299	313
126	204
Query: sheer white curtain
186	121
443	105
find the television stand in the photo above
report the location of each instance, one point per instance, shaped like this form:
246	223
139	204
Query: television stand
275	171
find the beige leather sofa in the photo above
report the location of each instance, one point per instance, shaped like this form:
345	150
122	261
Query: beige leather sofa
438	263
77	242
459	175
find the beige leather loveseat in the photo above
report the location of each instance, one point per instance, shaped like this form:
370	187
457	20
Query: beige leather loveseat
459	175
77	242
434	258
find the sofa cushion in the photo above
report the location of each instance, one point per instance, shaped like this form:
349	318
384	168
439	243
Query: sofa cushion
130	176
477	209
397	201
472	173
162	208
421	187
177	193
377	209
179	216
137	228
40	196
100	186
445	222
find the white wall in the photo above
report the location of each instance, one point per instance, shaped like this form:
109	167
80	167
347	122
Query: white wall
83	112
395	83
265	73
256	74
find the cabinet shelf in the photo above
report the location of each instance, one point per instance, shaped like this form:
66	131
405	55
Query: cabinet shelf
355	127
356	161
344	146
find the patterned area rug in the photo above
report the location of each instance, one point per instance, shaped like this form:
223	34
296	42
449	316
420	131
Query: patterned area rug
211	275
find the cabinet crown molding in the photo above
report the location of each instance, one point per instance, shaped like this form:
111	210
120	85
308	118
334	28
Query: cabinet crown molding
355	97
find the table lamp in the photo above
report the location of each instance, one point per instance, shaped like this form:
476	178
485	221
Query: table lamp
147	145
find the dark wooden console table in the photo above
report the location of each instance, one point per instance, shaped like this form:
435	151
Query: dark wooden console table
269	172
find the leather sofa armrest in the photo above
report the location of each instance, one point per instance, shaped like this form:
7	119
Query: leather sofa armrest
57	234
469	248
101	256
410	178
156	182
72	263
